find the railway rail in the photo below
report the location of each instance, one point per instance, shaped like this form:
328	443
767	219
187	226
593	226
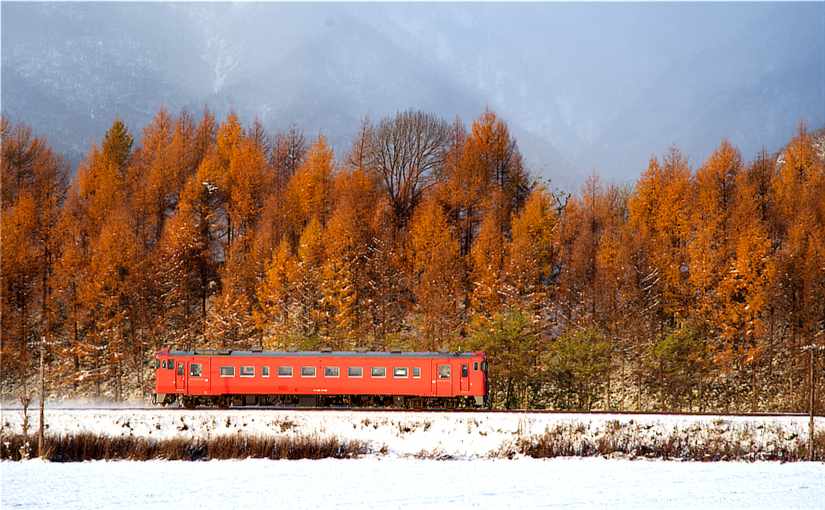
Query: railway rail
406	410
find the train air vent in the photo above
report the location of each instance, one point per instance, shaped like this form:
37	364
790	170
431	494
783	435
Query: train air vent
326	349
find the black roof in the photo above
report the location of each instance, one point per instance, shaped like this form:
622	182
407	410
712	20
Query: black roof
326	354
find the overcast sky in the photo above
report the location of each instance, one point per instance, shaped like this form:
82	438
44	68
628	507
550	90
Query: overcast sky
584	87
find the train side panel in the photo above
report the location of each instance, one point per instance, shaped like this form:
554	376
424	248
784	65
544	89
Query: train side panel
428	375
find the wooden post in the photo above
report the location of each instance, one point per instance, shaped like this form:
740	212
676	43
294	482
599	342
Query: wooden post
812	386
40	444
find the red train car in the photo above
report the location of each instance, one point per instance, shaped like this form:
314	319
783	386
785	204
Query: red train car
399	379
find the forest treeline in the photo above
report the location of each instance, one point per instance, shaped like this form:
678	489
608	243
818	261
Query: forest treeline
694	289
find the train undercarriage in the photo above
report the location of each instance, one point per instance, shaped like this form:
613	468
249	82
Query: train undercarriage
316	401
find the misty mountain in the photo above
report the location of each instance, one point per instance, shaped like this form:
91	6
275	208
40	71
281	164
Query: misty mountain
583	87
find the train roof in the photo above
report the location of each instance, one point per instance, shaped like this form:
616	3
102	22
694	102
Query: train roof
317	354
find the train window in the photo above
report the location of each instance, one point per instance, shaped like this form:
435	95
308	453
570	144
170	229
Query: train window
264	371
180	368
400	372
284	371
443	371
307	371
475	365
355	372
227	371
331	371
195	369
416	373
248	371
379	372
464	370
163	364
170	364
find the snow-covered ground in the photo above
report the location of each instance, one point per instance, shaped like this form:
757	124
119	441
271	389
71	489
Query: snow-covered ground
431	434
408	483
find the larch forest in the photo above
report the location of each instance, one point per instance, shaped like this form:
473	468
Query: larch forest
693	289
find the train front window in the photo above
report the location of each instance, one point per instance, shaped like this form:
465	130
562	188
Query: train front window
475	366
163	364
443	371
195	369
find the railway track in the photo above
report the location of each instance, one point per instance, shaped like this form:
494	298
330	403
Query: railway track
434	410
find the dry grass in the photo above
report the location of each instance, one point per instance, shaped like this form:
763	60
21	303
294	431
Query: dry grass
627	441
87	446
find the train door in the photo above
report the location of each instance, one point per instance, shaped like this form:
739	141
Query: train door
198	376
465	377
442	378
180	376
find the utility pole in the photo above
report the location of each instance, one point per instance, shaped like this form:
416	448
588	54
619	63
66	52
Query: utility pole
811	427
812	349
40	445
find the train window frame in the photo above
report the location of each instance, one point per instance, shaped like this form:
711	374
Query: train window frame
400	372
282	371
354	375
332	372
227	371
249	369
378	372
416	372
195	369
465	370
305	372
442	374
181	370
265	371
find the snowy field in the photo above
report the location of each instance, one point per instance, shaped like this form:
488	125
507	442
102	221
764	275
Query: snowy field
429	434
409	483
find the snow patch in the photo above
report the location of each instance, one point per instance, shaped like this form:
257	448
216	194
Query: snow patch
439	435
